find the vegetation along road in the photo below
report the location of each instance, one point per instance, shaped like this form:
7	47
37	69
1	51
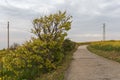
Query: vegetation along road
89	66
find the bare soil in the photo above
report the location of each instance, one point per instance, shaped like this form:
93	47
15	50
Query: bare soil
88	66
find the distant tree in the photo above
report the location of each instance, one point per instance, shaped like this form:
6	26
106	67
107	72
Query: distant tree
52	27
14	46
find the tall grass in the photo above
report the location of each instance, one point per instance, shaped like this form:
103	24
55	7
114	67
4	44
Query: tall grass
107	46
108	49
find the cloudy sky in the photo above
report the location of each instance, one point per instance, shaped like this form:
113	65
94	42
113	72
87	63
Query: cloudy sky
88	17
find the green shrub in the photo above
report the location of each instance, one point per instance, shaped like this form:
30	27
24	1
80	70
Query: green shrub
39	55
31	59
68	45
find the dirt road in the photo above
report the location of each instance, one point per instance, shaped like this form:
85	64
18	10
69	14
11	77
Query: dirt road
88	66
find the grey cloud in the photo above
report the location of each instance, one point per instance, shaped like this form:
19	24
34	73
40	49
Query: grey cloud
17	12
87	20
88	15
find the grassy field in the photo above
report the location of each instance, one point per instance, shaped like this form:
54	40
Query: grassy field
107	49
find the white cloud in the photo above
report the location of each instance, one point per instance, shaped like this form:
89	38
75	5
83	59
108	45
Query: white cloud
87	35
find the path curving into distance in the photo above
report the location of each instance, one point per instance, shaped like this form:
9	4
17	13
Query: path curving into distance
88	66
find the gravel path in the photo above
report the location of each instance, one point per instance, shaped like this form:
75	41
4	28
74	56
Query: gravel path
88	66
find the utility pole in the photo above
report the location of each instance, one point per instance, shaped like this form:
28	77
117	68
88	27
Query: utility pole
104	32
8	34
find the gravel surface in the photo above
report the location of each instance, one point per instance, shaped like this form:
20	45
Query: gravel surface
88	66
